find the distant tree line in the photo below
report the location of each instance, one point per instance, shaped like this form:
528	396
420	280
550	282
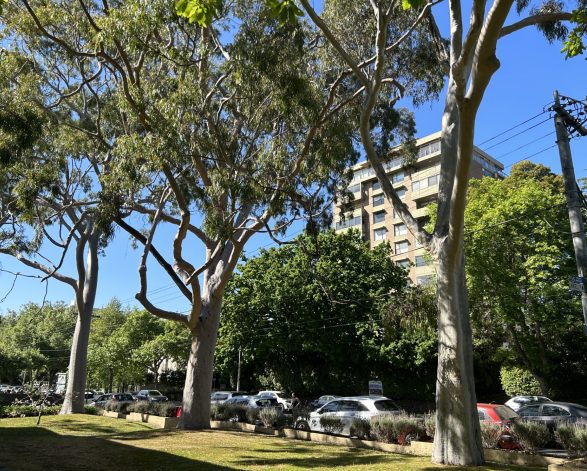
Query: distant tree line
127	346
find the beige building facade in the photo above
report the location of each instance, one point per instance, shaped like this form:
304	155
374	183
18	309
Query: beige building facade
372	214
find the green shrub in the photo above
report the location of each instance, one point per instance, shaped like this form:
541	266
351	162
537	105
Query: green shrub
91	410
518	382
573	438
491	433
140	407
301	413
20	411
24	410
239	412
430	424
252	415
383	428
272	416
530	435
331	424
396	428
361	428
165	409
116	406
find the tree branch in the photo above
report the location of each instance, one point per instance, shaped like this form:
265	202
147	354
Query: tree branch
533	21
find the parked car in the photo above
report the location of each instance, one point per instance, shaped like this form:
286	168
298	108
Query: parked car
111	397
316	403
553	413
349	408
90	396
219	397
256	402
502	415
151	395
517	402
283	401
101	400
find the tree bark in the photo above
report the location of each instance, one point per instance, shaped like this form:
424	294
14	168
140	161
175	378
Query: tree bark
457	440
77	371
195	412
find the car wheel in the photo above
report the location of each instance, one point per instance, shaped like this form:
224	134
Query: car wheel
303	425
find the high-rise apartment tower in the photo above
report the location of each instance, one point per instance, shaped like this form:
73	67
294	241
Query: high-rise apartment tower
371	213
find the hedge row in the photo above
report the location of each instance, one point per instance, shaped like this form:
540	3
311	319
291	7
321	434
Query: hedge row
21	410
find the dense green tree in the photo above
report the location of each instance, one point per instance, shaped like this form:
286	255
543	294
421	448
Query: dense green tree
296	312
519	261
35	342
125	345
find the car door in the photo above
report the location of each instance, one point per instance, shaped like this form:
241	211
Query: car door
552	415
349	410
329	410
531	412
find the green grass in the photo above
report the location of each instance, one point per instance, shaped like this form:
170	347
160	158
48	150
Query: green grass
82	442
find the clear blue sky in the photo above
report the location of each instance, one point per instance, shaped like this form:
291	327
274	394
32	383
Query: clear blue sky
531	70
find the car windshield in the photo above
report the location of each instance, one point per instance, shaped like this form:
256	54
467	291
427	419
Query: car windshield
281	395
385	405
505	413
155	393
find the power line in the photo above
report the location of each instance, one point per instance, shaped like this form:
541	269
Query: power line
512	128
517	134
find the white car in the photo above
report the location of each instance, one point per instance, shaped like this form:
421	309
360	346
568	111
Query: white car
349	408
517	402
219	397
281	398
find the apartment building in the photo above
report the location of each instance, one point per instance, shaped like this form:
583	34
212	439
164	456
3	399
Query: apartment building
371	213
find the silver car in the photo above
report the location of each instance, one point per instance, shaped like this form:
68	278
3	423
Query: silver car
348	409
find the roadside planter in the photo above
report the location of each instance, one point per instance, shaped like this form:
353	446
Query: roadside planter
114	415
154	420
243	427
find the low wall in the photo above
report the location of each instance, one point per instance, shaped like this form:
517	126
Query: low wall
114	415
154	420
416	448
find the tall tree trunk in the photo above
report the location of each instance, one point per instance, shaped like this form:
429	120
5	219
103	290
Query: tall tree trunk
195	412
78	360
458	437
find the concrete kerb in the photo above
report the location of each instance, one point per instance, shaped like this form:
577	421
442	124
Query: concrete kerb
415	448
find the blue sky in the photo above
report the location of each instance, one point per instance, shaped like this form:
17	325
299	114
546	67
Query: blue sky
531	70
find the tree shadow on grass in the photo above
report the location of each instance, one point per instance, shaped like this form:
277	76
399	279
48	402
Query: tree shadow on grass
46	450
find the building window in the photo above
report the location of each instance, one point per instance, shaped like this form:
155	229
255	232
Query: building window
400	229
422	260
401	247
380	234
401	193
354	188
376	186
398	177
378	200
425	183
404	263
425	280
378	217
348	222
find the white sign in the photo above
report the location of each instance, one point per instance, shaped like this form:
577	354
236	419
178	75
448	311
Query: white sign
375	388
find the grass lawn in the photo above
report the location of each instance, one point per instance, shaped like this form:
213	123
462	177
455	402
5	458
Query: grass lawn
84	442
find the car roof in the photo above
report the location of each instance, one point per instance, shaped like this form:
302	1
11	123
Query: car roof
361	398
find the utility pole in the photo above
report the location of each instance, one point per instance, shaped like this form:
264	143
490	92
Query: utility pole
238	372
562	119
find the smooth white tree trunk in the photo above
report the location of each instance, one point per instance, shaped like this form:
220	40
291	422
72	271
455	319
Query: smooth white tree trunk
78	360
195	412
457	440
